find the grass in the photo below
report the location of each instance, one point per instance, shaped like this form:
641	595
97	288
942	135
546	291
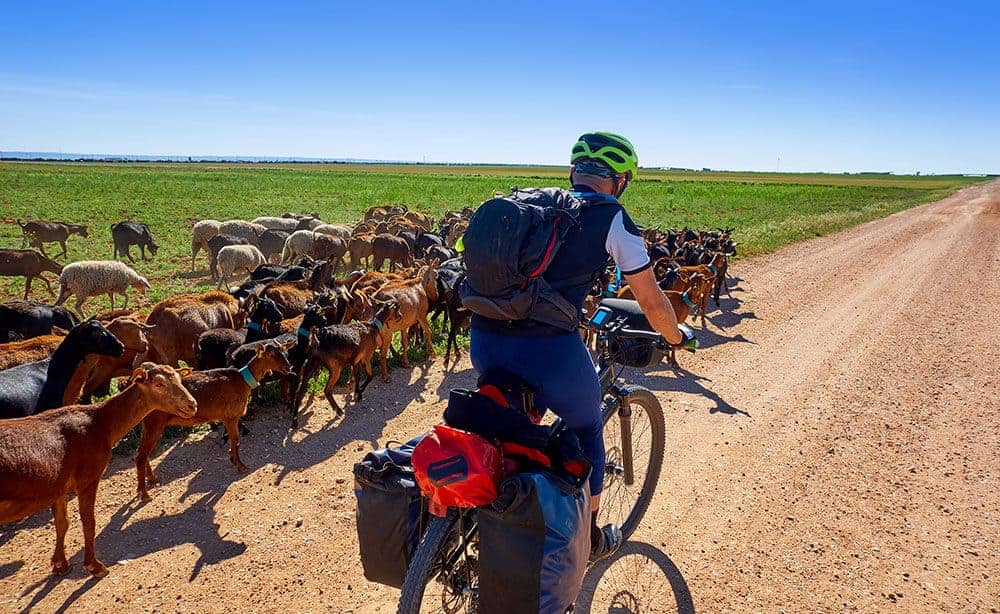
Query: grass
767	209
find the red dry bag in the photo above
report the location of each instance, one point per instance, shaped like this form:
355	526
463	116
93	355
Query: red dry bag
456	468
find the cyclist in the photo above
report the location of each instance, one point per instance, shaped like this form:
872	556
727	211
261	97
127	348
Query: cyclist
555	362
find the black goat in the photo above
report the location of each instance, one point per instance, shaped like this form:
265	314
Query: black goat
28	319
126	234
37	386
312	319
271	242
343	346
214	345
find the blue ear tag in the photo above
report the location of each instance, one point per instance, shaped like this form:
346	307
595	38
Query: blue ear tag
249	378
254	326
687	300
713	269
302	332
378	324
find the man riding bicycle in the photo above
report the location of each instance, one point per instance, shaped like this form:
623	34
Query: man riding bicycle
554	361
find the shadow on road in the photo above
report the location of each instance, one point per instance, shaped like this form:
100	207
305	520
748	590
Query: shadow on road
686	381
638	578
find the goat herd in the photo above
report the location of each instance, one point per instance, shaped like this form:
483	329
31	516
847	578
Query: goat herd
286	323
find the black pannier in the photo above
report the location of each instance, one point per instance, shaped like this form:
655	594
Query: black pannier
632	352
391	514
534	543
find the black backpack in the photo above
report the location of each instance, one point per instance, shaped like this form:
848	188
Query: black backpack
510	243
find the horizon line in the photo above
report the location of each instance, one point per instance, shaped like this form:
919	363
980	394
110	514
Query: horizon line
52	156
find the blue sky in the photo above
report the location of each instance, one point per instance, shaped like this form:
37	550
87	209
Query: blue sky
823	86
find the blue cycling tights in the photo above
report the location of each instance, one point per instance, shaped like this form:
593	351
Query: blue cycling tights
560	370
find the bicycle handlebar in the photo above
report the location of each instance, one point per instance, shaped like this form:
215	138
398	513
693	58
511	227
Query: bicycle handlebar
646	335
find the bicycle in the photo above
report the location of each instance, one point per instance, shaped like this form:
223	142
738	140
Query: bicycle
442	576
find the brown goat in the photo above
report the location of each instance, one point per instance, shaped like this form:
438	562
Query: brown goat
292	296
45	458
178	322
329	248
360	248
29	350
413	297
29	264
37	234
343	346
95	373
392	248
222	396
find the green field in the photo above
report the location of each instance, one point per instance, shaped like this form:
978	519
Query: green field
767	209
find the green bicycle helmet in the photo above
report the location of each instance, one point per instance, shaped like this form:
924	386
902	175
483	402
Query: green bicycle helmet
611	149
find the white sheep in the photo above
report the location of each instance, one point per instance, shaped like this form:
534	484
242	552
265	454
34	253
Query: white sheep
299	243
200	234
277	223
244	230
234	258
89	278
334	230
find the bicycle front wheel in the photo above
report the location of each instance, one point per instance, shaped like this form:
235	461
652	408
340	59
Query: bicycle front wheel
443	576
634	442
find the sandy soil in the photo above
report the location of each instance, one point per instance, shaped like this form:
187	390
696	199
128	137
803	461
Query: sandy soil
834	448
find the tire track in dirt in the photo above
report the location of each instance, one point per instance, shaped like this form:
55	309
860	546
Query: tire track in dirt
864	477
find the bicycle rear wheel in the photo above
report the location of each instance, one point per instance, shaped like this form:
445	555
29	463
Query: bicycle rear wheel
634	446
443	576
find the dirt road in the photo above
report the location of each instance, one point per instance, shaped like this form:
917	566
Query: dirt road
834	448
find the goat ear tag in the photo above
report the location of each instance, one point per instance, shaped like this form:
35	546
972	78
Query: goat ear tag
184	372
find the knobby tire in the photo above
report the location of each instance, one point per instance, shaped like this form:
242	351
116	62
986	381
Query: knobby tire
422	565
637	395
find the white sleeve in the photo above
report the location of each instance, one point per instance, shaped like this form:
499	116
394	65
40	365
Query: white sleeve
627	249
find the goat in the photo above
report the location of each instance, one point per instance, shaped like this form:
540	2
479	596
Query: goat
36	386
29	350
270	272
392	248
329	248
126	234
37	234
222	396
292	296
178	321
271	242
297	340
30	319
45	458
214	345
96	371
459	317
413	297
341	346
360	248
29	264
